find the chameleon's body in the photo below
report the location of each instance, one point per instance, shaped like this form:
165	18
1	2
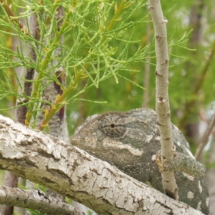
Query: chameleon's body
130	141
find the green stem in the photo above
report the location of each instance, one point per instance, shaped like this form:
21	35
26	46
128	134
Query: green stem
60	101
11	15
116	15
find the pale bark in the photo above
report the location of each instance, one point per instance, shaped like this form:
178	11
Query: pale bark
74	173
36	199
162	100
10	180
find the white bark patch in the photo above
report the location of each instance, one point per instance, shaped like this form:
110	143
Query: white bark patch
149	138
207	201
190	195
189	152
175	127
153	157
191	178
178	143
199	206
158	138
200	186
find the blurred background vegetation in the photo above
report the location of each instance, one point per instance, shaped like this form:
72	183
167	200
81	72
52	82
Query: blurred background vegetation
191	41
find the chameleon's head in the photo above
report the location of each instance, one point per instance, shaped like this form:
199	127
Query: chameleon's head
117	137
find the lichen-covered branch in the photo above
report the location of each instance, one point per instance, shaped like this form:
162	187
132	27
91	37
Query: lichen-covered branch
78	175
162	100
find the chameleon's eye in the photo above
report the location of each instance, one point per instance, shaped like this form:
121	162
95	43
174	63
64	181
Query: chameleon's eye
113	125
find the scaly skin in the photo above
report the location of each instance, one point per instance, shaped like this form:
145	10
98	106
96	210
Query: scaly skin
130	141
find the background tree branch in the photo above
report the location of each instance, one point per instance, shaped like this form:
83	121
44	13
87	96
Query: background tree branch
204	139
36	199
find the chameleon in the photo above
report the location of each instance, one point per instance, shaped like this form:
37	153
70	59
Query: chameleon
130	141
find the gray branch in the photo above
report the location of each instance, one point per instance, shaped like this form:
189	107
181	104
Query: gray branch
74	173
162	100
36	199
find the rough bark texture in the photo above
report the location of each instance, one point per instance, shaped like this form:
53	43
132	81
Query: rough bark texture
162	98
36	199
11	181
76	174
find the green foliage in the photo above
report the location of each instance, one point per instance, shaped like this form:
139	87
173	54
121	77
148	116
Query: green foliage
34	212
107	42
94	33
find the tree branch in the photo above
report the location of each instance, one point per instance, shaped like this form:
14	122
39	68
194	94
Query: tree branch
204	139
74	173
162	100
29	76
35	199
147	68
197	87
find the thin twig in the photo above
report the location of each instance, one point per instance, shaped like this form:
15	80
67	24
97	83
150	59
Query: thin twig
162	101
12	16
197	87
204	139
147	69
22	110
59	102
